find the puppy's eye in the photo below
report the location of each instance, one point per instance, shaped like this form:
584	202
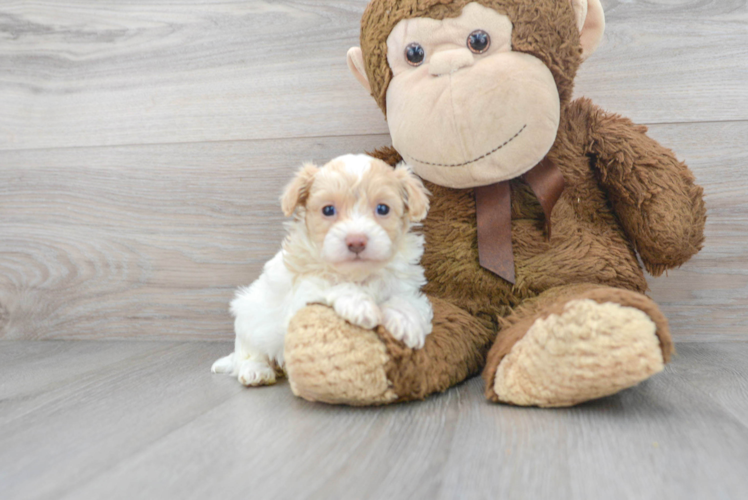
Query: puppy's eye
478	41
328	211
383	209
415	54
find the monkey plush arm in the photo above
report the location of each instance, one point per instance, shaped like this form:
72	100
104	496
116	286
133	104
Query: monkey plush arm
654	195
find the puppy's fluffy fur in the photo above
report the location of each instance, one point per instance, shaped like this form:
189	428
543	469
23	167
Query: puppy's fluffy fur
349	246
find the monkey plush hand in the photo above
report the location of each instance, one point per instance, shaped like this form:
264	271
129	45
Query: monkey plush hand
539	207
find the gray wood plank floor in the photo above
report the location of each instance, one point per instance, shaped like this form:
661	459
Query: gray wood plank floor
147	420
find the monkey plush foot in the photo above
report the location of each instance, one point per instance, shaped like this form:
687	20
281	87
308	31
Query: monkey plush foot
586	350
332	361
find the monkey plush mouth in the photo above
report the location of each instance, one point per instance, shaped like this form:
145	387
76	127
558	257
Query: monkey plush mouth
475	159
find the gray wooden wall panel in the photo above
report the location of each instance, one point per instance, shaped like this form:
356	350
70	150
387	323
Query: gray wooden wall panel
665	61
87	73
150	241
709	294
143	146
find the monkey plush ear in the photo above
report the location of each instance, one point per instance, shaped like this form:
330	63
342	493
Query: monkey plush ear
356	65
297	191
591	24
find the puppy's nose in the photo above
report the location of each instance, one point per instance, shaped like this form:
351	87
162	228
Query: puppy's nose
356	243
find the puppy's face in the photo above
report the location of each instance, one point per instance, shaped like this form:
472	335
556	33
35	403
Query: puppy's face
356	209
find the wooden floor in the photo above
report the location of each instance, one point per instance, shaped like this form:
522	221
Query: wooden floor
143	146
134	419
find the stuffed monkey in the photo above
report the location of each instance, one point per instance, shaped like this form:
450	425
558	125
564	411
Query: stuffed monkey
540	205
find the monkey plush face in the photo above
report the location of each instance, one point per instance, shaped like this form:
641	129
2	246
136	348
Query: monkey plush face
462	107
469	101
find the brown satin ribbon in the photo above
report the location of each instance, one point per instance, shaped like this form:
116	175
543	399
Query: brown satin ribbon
493	209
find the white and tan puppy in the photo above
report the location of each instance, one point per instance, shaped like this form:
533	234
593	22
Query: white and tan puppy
349	246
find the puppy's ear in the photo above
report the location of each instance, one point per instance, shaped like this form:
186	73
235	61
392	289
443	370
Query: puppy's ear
416	194
297	191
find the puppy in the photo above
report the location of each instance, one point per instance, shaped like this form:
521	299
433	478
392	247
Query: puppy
349	246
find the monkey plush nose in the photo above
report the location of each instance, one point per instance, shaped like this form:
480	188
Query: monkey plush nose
356	243
449	61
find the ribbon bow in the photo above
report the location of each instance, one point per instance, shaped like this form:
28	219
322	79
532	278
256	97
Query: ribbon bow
493	209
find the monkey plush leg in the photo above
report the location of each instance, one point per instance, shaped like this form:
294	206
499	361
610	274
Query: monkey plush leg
576	343
330	360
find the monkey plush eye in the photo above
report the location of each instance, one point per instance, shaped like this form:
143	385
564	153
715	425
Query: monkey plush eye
415	54
328	211
383	209
478	41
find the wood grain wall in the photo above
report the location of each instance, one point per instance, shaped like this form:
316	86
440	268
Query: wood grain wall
143	147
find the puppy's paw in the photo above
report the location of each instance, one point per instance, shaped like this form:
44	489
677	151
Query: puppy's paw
405	324
255	373
223	365
360	311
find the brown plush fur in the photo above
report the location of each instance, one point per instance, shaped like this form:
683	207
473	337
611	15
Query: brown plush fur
454	351
593	243
624	193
